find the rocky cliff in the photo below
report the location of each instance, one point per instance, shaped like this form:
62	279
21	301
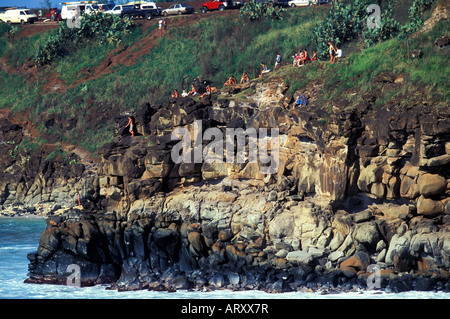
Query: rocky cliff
353	187
39	178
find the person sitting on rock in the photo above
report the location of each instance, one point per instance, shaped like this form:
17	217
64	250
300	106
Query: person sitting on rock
339	54
300	59
184	93
175	94
131	125
295	61
305	57
265	69
244	78
314	57
193	91
208	91
301	100
231	81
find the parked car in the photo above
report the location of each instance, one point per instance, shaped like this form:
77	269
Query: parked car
279	3
72	9
221	5
119	9
178	8
301	3
145	10
103	7
18	16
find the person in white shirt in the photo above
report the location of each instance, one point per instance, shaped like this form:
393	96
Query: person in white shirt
339	53
160	23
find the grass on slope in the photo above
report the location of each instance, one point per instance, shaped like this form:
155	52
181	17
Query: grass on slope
428	74
212	49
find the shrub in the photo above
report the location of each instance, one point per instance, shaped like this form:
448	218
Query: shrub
255	11
96	27
416	11
388	29
344	22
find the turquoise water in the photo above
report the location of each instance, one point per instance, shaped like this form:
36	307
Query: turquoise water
19	236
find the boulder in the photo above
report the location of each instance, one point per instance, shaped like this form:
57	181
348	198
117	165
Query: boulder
218	281
299	257
396	244
408	188
396	211
358	261
442	41
195	239
337	241
362	216
402	260
282	225
367	234
334	256
429	207
431	184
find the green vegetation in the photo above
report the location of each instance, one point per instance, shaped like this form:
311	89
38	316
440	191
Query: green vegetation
343	23
389	27
350	80
347	22
416	12
257	10
210	48
23	150
99	28
57	153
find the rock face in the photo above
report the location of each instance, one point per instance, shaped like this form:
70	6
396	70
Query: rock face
33	174
320	218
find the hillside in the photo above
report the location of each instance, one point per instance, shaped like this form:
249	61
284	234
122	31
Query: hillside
357	177
82	93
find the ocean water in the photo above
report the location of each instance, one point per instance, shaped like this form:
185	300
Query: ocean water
19	236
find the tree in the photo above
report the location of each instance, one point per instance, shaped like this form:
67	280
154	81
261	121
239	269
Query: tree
389	28
254	11
46	4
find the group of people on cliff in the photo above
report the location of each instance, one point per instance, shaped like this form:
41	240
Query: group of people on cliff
300	58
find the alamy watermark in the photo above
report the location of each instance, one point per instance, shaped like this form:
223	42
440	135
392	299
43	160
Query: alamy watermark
374	19
74	279
75	21
374	280
241	146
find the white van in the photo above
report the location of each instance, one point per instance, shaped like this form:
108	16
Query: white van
18	16
72	9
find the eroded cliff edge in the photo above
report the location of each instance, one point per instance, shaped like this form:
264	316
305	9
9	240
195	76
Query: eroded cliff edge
354	187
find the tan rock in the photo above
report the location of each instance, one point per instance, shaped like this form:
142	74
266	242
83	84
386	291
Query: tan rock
156	171
378	189
195	239
393	187
408	188
332	175
429	207
359	261
215	170
431	184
